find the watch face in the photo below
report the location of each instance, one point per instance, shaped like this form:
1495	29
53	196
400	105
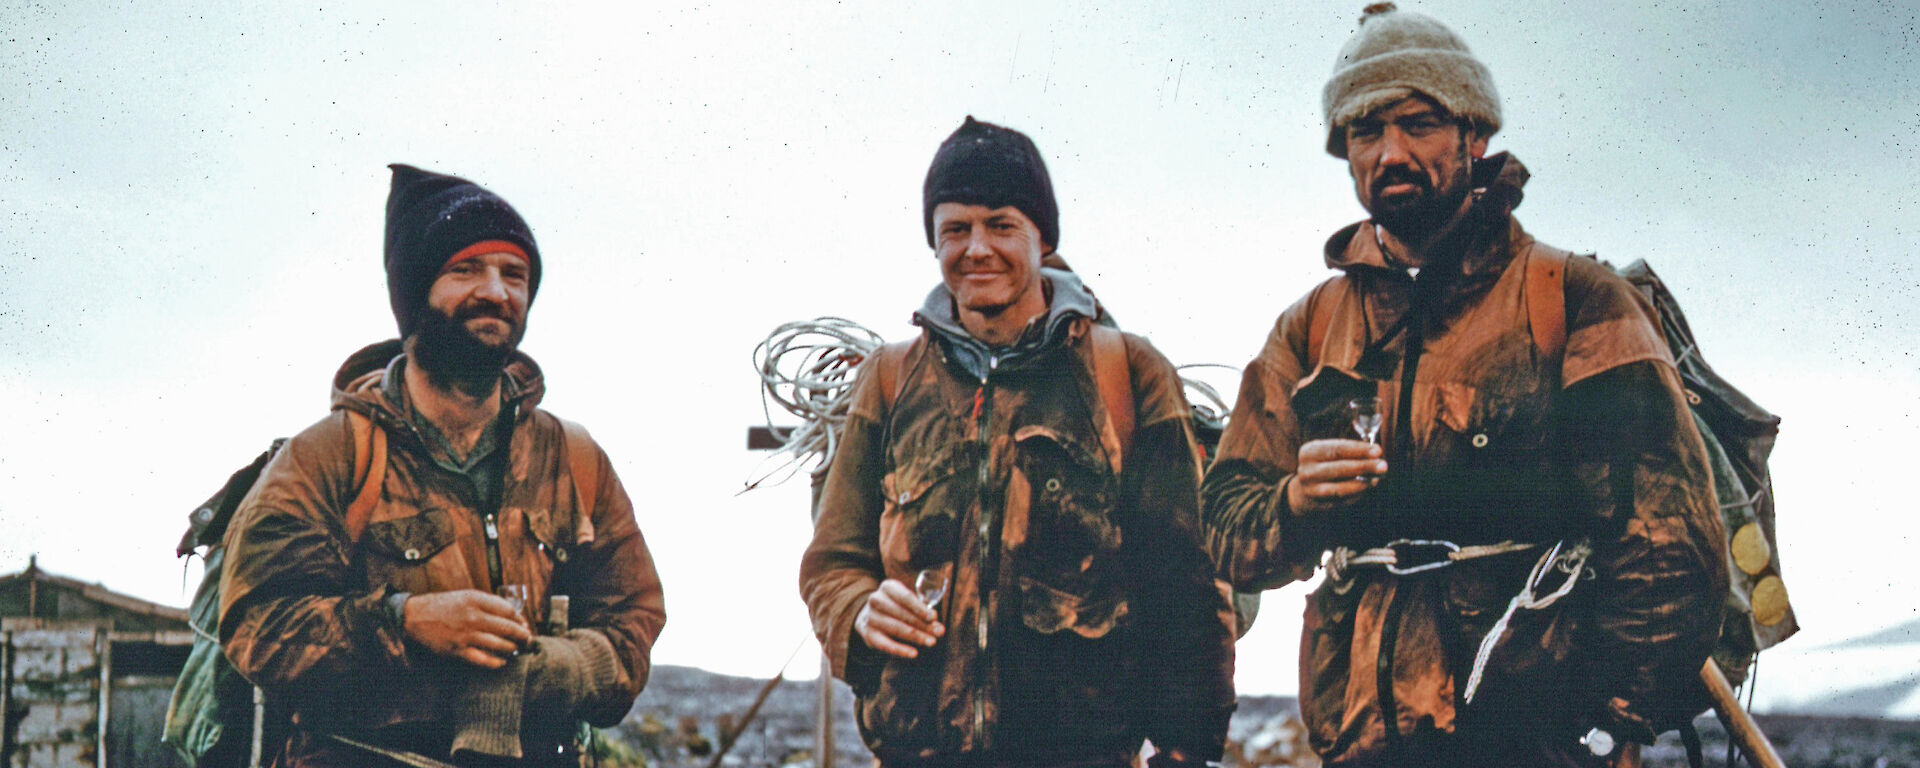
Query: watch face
1599	742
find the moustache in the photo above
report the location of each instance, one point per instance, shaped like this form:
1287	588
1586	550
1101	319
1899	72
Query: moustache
1392	176
481	309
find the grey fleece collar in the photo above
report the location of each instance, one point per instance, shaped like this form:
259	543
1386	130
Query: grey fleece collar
1069	299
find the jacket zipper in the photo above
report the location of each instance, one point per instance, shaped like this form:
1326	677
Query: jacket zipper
490	520
490	523
983	417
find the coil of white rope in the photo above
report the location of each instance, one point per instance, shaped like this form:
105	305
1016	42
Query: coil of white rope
806	368
1206	401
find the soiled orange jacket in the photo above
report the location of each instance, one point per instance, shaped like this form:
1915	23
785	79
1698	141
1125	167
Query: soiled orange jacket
1083	615
303	613
1497	439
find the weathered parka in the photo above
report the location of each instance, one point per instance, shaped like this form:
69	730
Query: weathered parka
1083	614
1495	440
303	612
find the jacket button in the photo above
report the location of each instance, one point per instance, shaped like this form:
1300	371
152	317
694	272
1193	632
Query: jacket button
904	498
412	554
1480	440
560	554
1053	485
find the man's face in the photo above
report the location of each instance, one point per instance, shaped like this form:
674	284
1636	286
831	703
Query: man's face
1412	165
989	257
476	315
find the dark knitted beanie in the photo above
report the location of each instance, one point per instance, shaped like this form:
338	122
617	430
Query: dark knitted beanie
431	217
989	165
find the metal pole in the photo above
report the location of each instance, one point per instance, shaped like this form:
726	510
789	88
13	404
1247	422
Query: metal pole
259	727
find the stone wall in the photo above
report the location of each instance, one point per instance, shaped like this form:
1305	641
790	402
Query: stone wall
52	677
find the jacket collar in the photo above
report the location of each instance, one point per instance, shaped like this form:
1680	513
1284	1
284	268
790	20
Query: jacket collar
1497	191
1069	304
372	381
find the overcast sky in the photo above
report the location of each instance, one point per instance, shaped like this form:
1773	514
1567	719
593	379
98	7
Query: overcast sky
192	216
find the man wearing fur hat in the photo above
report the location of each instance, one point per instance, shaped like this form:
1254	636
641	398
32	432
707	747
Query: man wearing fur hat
1041	467
1530	554
360	587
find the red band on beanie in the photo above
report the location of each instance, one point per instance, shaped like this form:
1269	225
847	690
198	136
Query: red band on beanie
485	247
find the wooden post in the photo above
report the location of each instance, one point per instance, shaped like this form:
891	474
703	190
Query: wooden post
1740	725
823	716
6	692
103	651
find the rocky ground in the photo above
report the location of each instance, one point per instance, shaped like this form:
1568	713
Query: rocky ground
681	719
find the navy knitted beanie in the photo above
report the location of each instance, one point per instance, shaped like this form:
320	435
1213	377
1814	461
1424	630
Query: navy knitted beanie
431	217
990	165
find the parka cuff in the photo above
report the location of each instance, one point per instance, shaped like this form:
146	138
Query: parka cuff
1304	533
382	613
863	666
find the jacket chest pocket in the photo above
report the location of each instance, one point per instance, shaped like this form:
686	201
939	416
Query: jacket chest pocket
919	524
545	549
1495	424
1065	547
413	554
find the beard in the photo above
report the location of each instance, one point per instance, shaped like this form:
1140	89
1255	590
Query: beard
1414	217
453	357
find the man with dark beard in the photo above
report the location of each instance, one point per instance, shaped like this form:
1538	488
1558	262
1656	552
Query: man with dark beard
1526	565
439	569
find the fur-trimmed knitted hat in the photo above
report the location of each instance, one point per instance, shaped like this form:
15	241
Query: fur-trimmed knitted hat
432	217
1396	54
994	166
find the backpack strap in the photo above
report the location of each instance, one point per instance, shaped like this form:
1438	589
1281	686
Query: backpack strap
1320	315
1113	377
891	358
369	471
1547	297
584	466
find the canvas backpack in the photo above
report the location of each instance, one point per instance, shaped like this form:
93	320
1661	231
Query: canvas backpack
215	716
1739	437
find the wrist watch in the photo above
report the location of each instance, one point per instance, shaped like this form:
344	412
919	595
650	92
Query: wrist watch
1598	742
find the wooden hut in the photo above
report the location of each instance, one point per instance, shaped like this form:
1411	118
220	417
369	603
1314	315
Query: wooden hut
75	656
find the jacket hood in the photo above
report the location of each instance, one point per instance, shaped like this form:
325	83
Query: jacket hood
1497	190
1069	301
370	382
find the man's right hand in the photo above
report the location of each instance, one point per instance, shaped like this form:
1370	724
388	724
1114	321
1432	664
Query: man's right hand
894	620
467	624
1332	473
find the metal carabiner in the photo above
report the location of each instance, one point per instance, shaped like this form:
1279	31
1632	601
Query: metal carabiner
1399	544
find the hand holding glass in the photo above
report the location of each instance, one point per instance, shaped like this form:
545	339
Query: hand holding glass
518	595
1366	422
1366	417
931	585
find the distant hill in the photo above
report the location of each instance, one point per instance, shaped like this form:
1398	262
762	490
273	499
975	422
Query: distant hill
678	722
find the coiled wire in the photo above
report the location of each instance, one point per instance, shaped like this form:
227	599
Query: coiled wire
806	369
